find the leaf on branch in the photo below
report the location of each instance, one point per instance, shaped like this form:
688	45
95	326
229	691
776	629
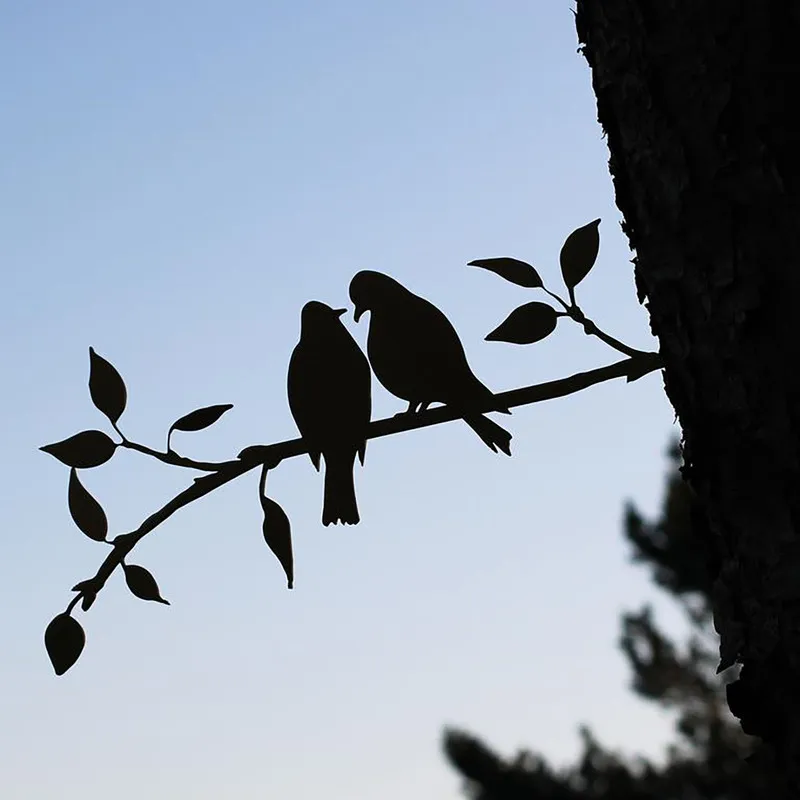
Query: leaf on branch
64	640
579	254
83	450
142	584
512	269
86	512
106	387
201	418
526	324
278	535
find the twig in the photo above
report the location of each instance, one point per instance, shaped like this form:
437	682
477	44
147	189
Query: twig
171	457
271	455
575	313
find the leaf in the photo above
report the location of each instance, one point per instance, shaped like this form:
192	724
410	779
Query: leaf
83	450
201	418
512	269
106	387
526	324
64	640
579	254
278	535
86	512
142	584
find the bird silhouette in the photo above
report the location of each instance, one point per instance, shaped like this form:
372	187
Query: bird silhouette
416	354
329	389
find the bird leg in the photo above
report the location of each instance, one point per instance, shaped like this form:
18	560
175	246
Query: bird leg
412	409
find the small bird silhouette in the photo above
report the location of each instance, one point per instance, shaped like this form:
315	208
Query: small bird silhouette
329	388
416	354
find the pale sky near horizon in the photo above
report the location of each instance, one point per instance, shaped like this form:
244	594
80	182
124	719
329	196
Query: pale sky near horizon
177	180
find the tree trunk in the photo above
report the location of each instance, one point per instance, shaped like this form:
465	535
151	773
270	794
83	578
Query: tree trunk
697	100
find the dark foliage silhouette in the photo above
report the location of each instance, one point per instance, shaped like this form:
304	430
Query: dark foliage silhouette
709	760
329	391
329	396
277	532
416	354
64	640
142	583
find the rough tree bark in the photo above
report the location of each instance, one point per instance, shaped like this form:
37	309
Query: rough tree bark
697	99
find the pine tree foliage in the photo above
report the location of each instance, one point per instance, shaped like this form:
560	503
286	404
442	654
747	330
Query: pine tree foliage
709	758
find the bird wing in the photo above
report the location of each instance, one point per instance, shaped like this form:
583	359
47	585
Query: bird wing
417	355
304	384
329	389
355	392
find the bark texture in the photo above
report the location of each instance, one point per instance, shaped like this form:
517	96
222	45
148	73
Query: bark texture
698	101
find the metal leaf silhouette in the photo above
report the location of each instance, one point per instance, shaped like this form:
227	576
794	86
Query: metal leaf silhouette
106	387
86	512
512	269
201	418
526	324
83	450
278	535
142	584
579	254
64	640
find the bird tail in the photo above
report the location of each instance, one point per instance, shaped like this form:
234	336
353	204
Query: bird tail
492	435
339	503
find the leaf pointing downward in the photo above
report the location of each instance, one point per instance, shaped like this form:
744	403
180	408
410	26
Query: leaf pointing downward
64	640
512	269
142	584
106	387
86	512
526	324
278	535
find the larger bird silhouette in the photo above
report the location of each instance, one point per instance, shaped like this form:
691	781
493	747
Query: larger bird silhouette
416	354
329	388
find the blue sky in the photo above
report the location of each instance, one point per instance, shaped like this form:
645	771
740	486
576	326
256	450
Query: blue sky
179	178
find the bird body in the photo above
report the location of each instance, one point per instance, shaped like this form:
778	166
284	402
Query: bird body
417	355
329	390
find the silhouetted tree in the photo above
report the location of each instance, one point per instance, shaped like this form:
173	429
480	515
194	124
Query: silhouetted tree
697	100
707	762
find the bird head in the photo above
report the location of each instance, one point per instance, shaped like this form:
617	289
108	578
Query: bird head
318	315
370	290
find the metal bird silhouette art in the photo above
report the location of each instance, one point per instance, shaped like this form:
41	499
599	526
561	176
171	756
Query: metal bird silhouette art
417	355
329	388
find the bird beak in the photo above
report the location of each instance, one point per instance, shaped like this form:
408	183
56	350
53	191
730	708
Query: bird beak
339	311
357	312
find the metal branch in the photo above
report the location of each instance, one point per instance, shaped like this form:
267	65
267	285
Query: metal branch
271	455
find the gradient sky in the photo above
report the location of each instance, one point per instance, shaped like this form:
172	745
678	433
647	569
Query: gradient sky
177	179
